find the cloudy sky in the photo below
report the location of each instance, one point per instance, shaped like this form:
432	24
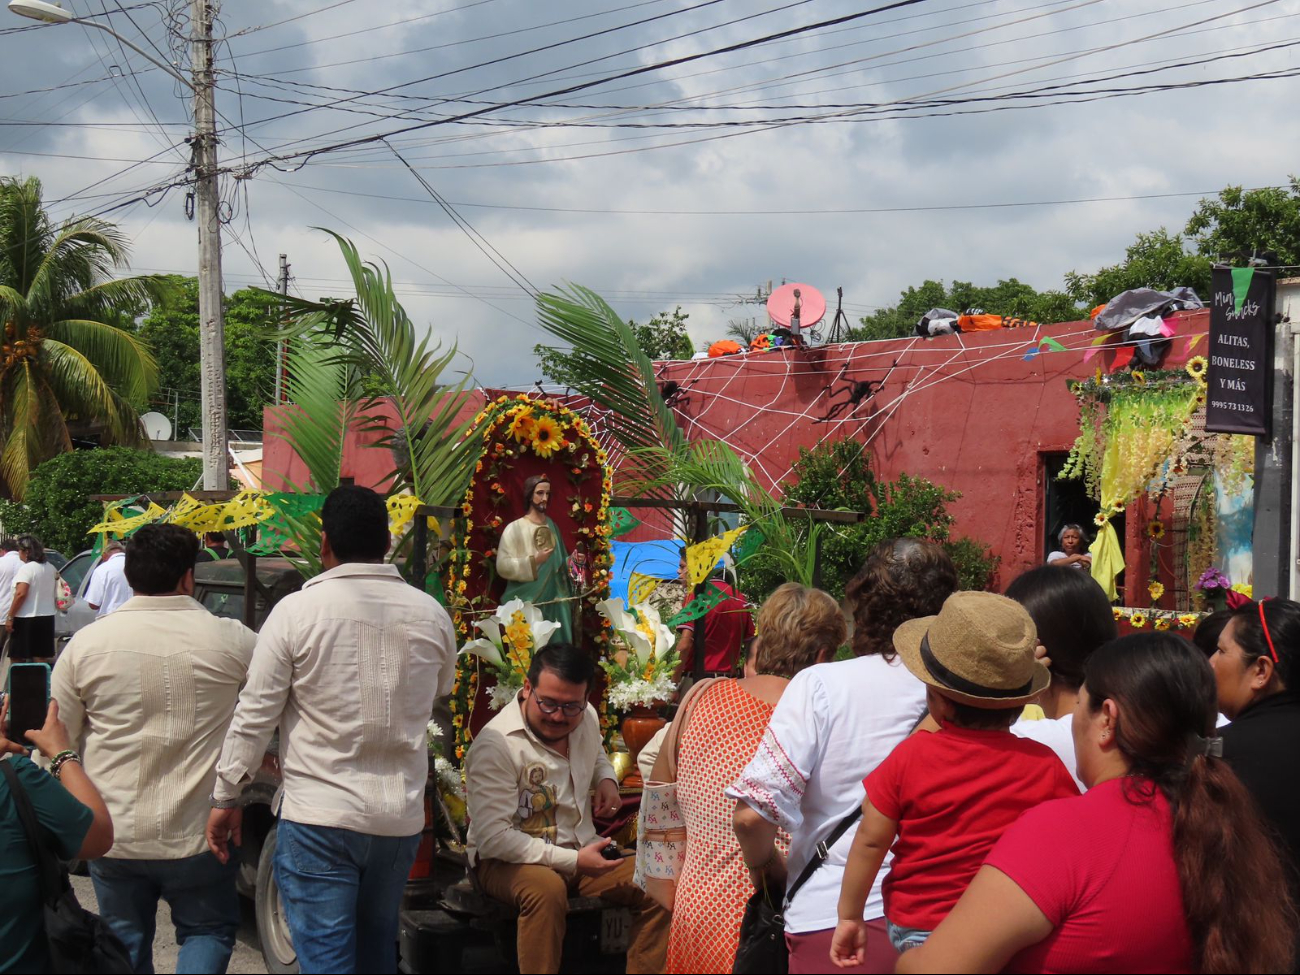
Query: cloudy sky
871	153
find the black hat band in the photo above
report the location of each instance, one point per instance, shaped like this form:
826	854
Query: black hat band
960	684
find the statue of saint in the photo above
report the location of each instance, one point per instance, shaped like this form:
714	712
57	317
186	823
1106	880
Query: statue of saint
532	560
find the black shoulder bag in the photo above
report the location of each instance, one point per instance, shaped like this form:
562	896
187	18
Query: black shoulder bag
762	949
79	942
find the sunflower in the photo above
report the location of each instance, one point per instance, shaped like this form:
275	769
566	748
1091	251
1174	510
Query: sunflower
1156	589
1162	623
1188	621
1196	367
1139	377
1156	529
522	426
546	438
1117	612
1137	620
1099	519
1117	506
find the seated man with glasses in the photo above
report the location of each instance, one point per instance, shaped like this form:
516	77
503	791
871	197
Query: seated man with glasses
531	773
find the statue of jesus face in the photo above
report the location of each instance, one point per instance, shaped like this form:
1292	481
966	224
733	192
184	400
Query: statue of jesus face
541	496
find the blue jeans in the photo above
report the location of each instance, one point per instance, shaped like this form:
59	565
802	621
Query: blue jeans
904	938
200	892
342	892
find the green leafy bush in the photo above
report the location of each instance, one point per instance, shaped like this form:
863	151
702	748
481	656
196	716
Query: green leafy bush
838	475
58	509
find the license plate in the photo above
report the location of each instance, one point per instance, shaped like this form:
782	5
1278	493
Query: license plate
615	928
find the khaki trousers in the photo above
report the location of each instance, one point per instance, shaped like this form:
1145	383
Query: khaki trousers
541	896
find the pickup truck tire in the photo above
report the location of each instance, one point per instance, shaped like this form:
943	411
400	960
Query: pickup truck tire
272	927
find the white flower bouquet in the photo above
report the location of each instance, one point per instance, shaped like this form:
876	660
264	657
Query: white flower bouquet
510	637
640	670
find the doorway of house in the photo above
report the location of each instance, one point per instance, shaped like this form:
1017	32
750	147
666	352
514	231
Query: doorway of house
1068	503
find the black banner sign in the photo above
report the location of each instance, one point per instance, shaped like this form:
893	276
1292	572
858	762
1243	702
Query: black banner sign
1240	394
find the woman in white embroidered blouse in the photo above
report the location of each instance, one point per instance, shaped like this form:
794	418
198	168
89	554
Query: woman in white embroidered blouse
833	725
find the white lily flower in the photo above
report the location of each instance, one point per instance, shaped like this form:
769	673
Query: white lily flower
619	618
486	649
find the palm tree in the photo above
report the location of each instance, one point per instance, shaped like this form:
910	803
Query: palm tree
59	360
352	358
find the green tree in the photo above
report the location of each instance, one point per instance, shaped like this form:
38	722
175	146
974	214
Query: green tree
171	329
1011	297
1247	222
662	337
1154	260
838	475
63	367
57	508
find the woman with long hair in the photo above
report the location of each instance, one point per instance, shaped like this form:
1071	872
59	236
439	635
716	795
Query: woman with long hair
800	627
31	615
833	725
1255	668
1073	618
1162	866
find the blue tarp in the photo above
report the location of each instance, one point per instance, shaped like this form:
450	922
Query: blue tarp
658	559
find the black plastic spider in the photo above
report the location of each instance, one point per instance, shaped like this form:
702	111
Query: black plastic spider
858	392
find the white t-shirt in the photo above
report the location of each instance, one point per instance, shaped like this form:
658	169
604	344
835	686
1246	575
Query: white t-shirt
1060	556
10	563
39	577
108	588
833	725
1058	735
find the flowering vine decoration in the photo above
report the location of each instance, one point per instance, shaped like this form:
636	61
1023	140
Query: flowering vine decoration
509	432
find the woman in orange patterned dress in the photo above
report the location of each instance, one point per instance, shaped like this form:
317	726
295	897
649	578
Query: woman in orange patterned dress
797	628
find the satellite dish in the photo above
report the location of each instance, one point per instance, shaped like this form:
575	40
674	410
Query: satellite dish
156	426
781	304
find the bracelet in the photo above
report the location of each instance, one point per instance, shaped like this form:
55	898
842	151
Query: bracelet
216	803
59	760
765	864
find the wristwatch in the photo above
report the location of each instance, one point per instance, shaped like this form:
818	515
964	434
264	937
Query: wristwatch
216	803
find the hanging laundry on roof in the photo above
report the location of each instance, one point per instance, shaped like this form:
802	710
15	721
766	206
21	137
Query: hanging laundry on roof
1140	313
979	322
1126	308
724	347
937	321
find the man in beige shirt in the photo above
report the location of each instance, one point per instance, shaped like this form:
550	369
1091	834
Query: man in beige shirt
348	670
151	690
530	773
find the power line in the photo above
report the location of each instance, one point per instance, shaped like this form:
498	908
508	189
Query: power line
632	72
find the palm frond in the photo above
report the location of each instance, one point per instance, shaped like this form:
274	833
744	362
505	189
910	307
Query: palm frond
610	368
321	389
21	408
124	362
137	294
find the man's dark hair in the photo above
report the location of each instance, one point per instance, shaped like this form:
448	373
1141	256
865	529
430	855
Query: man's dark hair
565	661
355	520
158	558
984	719
530	486
7	544
214	538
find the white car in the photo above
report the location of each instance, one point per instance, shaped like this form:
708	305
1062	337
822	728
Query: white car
76	573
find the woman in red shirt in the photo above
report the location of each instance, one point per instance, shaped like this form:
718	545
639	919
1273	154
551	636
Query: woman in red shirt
1162	866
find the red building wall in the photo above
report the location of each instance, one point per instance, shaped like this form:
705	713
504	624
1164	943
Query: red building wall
967	412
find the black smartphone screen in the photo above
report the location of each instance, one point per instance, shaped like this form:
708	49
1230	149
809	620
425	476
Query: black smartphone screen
29	699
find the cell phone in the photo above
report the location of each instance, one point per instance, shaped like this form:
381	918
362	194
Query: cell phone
29	700
612	852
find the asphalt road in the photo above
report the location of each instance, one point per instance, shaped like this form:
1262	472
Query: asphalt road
248	952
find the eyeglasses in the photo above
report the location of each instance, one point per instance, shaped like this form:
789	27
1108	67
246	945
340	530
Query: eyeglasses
571	710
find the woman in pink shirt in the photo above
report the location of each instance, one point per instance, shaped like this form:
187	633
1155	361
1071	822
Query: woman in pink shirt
1162	866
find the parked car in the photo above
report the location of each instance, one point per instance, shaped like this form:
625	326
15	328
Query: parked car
76	572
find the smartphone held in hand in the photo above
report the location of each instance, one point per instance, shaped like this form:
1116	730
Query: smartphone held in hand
29	700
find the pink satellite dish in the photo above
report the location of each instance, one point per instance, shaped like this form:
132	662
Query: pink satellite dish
781	304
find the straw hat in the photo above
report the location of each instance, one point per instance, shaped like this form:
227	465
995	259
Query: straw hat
979	650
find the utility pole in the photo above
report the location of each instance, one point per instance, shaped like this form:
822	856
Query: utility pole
279	345
212	350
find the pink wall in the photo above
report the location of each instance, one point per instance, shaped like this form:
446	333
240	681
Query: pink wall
967	412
